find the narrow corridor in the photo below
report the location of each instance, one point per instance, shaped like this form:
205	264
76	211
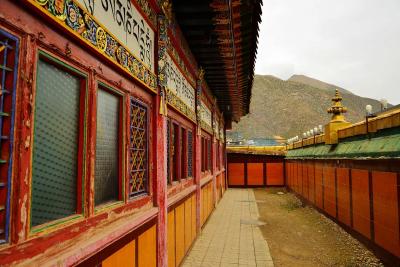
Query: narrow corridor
232	237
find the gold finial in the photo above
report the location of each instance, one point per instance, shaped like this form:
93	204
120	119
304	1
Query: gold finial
167	9
337	109
201	73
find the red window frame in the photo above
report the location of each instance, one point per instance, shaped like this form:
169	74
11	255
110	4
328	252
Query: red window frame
71	68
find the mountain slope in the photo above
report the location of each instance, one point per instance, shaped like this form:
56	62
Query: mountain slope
288	108
316	83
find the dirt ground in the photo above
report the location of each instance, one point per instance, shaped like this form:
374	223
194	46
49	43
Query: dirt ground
301	236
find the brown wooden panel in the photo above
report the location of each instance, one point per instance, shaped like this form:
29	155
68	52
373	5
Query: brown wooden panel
275	174
202	206
329	191
386	217
147	248
300	178
193	217
311	183
293	175
305	180
236	173
188	224
361	205
180	235
318	186
123	257
171	238
255	173
343	187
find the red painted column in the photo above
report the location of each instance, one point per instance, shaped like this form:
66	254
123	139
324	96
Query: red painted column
197	176
197	154
161	185
214	167
160	155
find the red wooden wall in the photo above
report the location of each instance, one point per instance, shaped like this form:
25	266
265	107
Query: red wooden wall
246	170
363	196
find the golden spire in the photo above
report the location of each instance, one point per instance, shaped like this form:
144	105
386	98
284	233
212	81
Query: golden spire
337	109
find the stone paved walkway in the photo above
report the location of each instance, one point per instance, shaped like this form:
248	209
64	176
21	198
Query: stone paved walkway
231	237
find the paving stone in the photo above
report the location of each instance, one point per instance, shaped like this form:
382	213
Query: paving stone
231	236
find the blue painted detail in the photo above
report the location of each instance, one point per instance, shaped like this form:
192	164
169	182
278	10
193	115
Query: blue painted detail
11	48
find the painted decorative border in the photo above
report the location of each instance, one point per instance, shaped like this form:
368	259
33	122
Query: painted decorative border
75	19
177	103
148	11
178	37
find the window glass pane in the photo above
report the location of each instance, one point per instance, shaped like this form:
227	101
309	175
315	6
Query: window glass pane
138	149
55	147
106	181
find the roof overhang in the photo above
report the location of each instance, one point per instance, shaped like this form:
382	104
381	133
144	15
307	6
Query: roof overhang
222	35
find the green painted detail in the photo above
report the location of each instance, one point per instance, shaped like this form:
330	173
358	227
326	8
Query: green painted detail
55	146
385	143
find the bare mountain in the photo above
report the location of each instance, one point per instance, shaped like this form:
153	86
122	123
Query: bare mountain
288	108
316	83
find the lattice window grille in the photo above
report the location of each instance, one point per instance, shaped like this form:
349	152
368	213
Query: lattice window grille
138	180
190	154
209	154
9	48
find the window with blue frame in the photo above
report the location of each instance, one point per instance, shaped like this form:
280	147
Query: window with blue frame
9	45
190	154
138	148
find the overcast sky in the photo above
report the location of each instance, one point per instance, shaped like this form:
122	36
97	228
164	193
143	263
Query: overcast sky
354	44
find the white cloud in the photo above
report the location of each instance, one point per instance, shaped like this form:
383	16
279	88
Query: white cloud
354	44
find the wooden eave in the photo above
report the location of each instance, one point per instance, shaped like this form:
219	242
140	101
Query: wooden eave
222	35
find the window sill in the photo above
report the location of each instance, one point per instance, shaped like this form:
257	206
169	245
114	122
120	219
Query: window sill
54	225
77	249
107	206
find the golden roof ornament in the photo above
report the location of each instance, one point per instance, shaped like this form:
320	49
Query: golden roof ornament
337	122
337	109
167	9
201	74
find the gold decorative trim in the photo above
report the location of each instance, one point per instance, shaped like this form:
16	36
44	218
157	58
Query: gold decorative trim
72	17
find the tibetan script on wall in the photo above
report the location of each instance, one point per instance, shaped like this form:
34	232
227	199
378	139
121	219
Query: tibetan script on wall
123	20
181	93
206	117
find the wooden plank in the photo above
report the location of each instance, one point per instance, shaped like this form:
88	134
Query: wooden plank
236	174
386	217
361	205
188	225
147	248
171	238
123	257
180	236
255	173
193	218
